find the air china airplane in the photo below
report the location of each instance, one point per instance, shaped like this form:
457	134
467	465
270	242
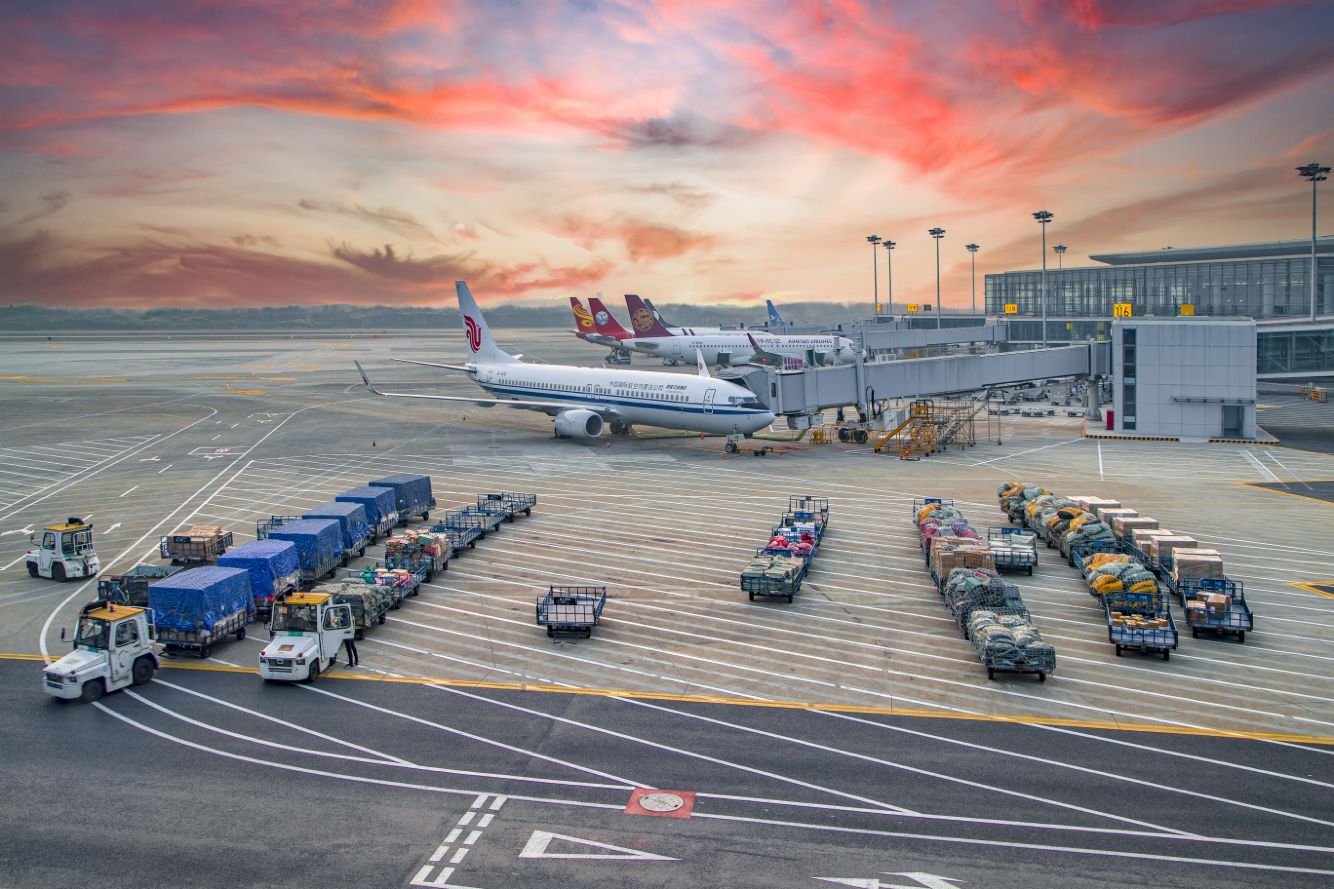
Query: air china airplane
584	400
729	348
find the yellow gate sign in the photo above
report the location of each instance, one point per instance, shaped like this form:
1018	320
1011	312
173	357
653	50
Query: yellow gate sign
1012	308
912	308
1187	310
1123	310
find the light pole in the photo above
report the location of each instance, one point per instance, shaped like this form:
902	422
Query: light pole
1059	250
937	233
973	248
1043	217
889	271
875	278
1315	173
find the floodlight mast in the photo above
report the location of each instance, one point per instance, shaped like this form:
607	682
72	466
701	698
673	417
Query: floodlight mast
1043	217
937	233
1315	173
973	248
875	278
889	272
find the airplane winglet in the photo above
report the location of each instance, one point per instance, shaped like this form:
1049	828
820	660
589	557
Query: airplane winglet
365	379
700	365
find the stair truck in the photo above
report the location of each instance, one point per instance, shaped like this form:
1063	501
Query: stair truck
381	508
305	633
64	552
412	495
274	567
196	609
352	525
319	545
113	648
131	587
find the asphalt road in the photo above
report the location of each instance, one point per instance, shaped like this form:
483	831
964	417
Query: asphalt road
211	778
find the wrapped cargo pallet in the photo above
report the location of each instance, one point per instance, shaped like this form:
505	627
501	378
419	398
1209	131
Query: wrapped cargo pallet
380	505
273	565
352	524
1010	643
319	545
194	609
412	495
369	602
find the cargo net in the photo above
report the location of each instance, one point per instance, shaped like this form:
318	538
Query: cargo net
970	589
999	636
1064	521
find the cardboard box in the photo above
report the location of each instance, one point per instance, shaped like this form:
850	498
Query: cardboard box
1123	525
1161	547
1142	536
1109	513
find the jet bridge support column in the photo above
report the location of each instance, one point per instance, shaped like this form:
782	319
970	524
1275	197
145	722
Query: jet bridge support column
1092	399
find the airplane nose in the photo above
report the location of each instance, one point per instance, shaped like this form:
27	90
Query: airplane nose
769	417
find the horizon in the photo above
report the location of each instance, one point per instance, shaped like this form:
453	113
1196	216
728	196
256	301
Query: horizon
308	154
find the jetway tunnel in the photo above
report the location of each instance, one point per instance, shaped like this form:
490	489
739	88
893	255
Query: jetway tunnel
805	392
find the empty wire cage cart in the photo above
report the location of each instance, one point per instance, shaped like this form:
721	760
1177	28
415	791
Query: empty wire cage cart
571	610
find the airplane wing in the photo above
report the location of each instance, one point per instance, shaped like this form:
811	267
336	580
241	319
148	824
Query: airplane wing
426	364
549	407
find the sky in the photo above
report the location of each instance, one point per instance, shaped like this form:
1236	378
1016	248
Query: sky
344	151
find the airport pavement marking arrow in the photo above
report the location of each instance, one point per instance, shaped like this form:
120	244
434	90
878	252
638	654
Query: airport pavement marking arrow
921	881
537	844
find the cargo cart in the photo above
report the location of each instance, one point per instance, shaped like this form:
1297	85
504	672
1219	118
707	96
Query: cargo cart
817	507
508	503
1081	552
131	588
1014	549
190	547
1232	615
920	503
782	583
1015	661
571	610
266	527
1160	640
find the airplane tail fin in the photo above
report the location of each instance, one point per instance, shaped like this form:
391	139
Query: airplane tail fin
774	317
700	366
656	314
583	319
482	347
605	322
643	320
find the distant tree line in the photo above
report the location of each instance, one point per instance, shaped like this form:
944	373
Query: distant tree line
34	318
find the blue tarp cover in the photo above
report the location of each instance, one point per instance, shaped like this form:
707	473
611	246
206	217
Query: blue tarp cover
194	600
379	502
412	493
265	560
317	540
351	518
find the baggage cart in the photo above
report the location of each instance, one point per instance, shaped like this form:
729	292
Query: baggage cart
131	588
352	525
463	530
424	564
195	546
1013	549
412	495
781	583
920	503
319	544
266	527
402	582
816	507
1235	619
571	610
508	503
274	567
1081	552
370	603
1161	640
381	508
196	609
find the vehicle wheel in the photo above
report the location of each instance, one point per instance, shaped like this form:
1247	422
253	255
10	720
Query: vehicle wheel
205	651
551	634
1241	635
1118	651
730	447
991	674
382	617
1194	632
1042	677
528	511
346	558
92	690
1030	570
240	634
143	671
429	575
58	573
1167	655
426	516
32	570
314	672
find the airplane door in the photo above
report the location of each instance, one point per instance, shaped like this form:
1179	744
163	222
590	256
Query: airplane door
708	400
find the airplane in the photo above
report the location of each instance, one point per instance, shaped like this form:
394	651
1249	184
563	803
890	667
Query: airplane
775	319
638	321
731	347
583	401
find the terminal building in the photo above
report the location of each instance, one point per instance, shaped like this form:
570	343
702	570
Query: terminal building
1268	282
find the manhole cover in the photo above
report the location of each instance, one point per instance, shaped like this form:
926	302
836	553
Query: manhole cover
661	802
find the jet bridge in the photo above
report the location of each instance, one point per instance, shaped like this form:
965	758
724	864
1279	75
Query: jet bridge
805	392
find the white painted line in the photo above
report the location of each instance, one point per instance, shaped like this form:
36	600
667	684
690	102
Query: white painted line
459	855
473	836
467	818
1254	461
165	468
1100	461
131	489
537	845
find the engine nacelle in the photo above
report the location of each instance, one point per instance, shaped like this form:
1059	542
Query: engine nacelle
579	424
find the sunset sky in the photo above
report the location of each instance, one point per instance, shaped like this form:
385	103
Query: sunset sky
261	153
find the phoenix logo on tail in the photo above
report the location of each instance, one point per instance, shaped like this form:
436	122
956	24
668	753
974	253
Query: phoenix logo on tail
581	316
474	334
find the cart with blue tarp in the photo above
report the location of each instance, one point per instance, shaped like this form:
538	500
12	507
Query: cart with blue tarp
195	609
1014	549
1140	622
352	524
274	567
264	527
380	505
1217	605
319	545
412	495
571	610
507	503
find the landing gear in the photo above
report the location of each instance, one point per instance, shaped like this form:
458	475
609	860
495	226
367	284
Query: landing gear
620	427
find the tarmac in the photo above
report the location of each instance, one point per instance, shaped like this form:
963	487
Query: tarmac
851	735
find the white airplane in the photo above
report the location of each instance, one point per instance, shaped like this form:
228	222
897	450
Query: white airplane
731	348
584	400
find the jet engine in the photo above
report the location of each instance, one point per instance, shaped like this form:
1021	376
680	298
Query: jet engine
579	424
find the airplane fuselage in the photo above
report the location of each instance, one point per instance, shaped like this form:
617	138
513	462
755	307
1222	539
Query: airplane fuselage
737	348
649	398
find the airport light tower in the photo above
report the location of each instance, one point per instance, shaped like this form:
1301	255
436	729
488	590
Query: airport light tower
889	271
1059	250
973	248
937	233
1315	173
875	278
1043	217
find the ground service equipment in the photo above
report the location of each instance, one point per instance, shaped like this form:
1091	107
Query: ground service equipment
507	503
370	602
319	544
195	609
64	551
1217	606
381	508
305	632
274	568
195	546
1014	549
131	588
571	610
352	525
113	648
412	495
